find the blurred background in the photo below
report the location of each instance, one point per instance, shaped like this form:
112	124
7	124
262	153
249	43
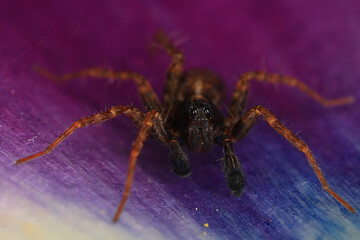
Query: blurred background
74	191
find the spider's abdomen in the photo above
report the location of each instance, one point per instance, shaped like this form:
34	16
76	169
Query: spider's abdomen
200	83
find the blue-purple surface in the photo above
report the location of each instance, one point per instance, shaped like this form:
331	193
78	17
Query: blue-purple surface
81	182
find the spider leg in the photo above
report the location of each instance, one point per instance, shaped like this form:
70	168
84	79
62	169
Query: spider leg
132	112
240	95
243	126
135	151
148	96
238	101
175	68
159	130
145	123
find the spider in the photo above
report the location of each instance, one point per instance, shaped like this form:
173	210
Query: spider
190	116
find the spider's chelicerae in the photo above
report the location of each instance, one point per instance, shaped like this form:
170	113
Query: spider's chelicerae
190	116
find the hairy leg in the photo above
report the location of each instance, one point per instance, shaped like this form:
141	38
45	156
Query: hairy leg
159	132
175	68
135	151
132	112
239	98
148	96
243	126
144	122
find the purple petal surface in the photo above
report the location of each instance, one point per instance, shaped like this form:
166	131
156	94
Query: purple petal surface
75	190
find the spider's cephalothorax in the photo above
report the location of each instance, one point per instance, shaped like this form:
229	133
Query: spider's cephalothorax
199	129
189	115
194	113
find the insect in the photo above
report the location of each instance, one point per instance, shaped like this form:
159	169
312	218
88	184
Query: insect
190	116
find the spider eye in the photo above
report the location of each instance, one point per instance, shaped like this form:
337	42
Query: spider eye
207	111
194	111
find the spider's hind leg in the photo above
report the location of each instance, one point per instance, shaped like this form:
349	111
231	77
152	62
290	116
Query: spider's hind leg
175	68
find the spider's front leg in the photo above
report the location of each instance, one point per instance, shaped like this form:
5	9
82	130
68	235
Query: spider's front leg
243	126
144	121
135	151
136	116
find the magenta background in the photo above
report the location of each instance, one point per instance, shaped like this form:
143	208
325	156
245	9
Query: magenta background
316	42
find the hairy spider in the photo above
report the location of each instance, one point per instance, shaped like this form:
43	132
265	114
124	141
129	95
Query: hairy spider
190	116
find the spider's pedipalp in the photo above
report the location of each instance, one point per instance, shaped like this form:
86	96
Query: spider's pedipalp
180	164
132	112
243	126
234	175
